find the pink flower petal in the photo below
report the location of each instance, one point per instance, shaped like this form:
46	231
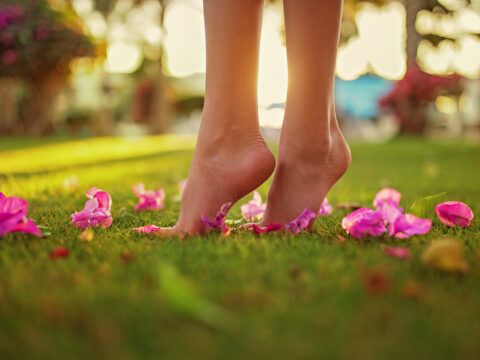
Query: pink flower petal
92	191
302	222
96	211
27	226
139	189
408	225
254	209
269	228
59	252
13	211
390	211
219	222
453	213
364	222
326	208
149	200
104	200
399	252
147	229
387	194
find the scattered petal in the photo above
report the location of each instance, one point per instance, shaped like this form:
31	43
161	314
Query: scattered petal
149	200
254	209
407	225
364	222
376	282
147	229
302	222
387	194
445	255
13	211
266	229
59	252
453	213
399	252
96	211
326	208
219	221
390	211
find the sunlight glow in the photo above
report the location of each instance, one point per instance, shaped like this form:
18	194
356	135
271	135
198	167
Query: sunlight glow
379	45
446	105
123	57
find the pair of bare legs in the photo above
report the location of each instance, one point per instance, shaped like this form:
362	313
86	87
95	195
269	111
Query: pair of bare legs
231	158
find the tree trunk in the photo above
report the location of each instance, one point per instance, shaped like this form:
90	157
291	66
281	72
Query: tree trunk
40	99
412	7
8	106
159	112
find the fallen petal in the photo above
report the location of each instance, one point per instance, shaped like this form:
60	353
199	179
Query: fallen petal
266	229
219	222
254	209
399	252
453	213
326	208
302	222
27	226
387	194
147	229
59	252
407	225
364	221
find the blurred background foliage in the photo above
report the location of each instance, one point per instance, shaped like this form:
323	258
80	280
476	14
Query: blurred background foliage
132	67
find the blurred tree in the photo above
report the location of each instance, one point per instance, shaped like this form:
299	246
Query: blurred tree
158	112
37	44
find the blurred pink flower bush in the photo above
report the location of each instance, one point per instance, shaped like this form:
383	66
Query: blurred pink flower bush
149	200
96	211
13	215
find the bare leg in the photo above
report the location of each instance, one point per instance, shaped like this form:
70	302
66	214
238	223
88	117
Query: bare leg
231	158
313	154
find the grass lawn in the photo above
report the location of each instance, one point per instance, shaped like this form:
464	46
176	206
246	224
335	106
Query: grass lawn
130	296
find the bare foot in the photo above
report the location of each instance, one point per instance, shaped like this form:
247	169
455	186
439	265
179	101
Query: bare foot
226	166
306	170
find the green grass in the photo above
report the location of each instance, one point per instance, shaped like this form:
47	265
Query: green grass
127	296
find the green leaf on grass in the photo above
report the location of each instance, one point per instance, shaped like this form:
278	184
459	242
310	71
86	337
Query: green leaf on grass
424	207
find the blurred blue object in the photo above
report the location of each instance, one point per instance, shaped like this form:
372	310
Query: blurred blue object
359	98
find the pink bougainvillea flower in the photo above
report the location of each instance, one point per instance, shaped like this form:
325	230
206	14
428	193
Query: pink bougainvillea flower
390	211
96	211
407	225
301	222
453	213
364	222
399	252
254	209
149	200
181	185
13	216
146	229
387	195
59	252
269	228
219	221
326	208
